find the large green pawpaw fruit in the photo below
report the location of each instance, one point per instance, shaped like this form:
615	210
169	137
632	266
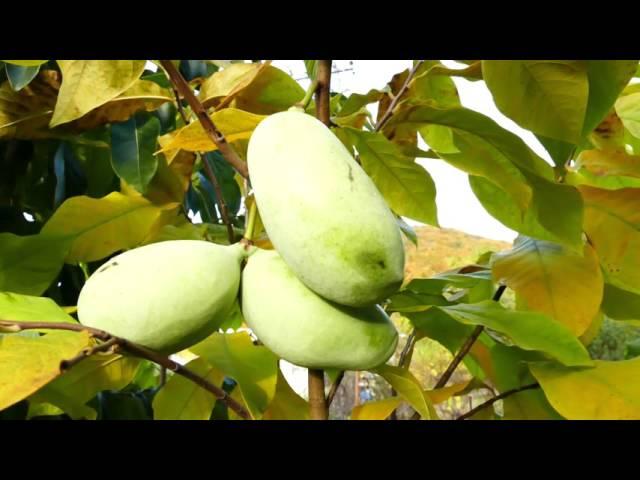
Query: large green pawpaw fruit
305	329
166	296
322	212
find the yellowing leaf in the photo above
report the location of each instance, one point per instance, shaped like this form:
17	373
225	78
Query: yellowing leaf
593	329
612	224
609	162
286	404
181	399
406	186
548	97
408	387
553	280
142	95
25	114
100	227
378	410
25	308
88	84
229	81
234	125
609	391
255	368
29	264
628	109
443	394
29	363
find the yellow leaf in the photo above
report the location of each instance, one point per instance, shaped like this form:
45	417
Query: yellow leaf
592	331
443	394
378	410
26	63
100	227
229	82
234	124
553	280
25	114
612	224
408	387
29	363
88	84
142	95
609	391
286	404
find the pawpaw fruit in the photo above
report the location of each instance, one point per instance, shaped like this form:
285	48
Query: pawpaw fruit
166	296
322	212
305	329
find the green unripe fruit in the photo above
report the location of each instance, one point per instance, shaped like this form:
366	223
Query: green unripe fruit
166	296
322	212
305	329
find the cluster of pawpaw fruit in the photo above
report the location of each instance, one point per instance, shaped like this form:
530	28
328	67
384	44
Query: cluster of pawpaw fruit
312	300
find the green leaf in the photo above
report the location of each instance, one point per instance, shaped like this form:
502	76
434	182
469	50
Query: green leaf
405	185
26	63
29	264
620	304
356	101
511	371
133	144
181	399
562	284
255	368
25	308
93	152
543	219
628	109
548	97
88	84
28	363
609	391
100	227
612	225
607	79
19	77
528	330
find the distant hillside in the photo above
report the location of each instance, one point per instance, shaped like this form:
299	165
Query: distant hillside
441	249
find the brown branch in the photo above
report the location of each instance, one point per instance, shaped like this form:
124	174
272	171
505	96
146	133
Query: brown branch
209	127
334	388
179	103
317	402
318	406
138	351
387	115
103	347
493	400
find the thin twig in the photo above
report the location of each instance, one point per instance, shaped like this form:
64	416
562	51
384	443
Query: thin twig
179	103
209	127
334	388
387	115
404	361
317	402
493	400
103	347
138	351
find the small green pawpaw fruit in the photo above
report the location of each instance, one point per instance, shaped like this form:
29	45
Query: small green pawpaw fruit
305	329
166	296
322	212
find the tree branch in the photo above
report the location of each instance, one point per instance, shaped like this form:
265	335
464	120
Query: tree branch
209	127
136	350
103	347
493	400
387	115
224	212
317	400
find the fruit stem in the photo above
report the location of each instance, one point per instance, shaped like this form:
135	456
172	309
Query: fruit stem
304	103
317	401
251	221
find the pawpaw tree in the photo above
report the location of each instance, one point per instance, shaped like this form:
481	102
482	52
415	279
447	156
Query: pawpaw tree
103	158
